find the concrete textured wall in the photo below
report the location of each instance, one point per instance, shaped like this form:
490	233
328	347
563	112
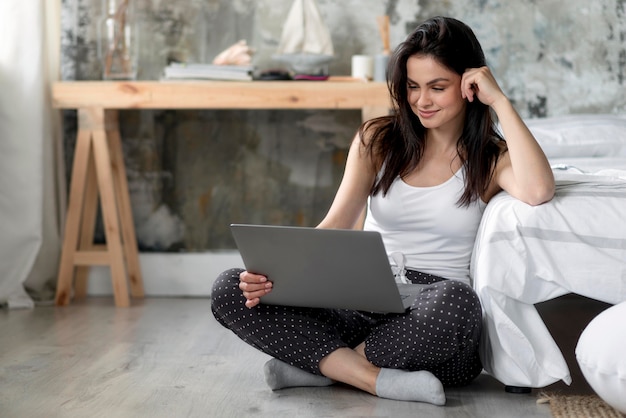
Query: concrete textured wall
191	173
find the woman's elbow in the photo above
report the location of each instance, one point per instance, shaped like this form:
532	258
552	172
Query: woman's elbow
540	194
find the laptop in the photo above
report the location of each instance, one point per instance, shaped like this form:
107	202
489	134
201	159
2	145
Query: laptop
323	268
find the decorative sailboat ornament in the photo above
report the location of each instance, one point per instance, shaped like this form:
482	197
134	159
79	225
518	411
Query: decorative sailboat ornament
305	43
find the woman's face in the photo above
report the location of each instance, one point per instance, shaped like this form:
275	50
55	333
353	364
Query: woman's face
434	93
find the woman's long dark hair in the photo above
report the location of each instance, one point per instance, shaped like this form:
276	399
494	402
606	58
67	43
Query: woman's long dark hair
397	142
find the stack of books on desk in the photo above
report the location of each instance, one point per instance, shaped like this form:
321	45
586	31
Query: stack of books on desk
179	71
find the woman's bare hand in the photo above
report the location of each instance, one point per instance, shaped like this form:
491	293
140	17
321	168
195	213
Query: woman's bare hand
253	287
480	83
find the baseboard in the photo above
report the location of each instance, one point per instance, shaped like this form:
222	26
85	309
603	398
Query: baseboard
171	274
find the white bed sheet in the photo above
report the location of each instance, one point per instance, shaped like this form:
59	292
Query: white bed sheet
524	255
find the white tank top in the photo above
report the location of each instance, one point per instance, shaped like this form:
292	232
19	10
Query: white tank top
424	228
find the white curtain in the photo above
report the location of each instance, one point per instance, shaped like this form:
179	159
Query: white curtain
30	189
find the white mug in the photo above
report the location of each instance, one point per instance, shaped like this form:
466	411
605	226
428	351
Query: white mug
362	67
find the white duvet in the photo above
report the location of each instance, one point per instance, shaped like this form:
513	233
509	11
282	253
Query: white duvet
523	255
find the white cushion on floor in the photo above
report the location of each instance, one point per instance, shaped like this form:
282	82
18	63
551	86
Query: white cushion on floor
601	354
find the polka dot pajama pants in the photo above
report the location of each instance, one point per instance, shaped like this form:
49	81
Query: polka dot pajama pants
440	333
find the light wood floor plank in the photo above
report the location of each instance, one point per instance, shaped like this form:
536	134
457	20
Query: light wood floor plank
170	358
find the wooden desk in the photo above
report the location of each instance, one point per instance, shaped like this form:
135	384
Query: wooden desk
98	168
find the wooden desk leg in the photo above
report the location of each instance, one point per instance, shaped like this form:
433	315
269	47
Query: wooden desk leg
370	112
90	213
123	199
110	215
73	222
98	170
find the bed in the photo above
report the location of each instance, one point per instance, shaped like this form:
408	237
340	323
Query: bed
575	243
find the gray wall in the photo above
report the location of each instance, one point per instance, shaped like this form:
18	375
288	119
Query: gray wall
191	173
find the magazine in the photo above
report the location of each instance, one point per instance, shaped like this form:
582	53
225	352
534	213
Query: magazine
178	71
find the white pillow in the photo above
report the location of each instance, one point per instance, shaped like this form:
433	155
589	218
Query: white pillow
581	135
600	352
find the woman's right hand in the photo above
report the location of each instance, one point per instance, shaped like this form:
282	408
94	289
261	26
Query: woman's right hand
253	287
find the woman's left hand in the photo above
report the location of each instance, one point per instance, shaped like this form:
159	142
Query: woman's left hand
480	83
524	171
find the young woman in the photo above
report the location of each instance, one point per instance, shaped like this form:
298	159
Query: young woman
427	172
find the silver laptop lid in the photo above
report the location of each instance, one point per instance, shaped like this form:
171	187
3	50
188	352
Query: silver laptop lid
325	268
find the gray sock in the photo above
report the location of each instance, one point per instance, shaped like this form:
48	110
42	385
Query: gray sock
420	386
279	375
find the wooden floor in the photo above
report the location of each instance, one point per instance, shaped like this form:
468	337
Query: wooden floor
170	358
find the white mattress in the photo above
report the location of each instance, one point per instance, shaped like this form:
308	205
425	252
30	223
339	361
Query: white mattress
523	255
